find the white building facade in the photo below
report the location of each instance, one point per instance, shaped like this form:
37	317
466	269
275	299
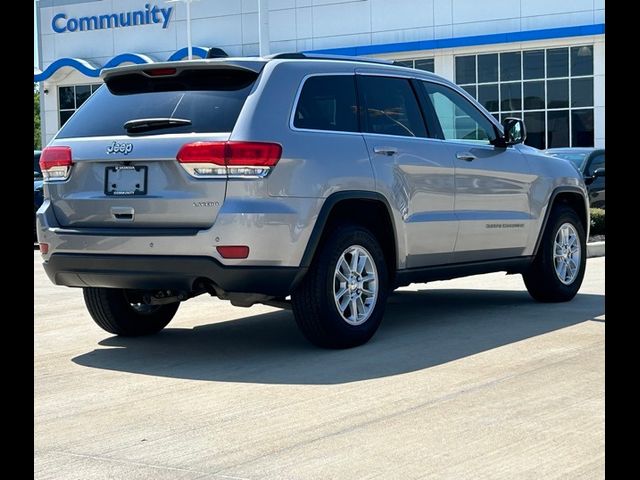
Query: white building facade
540	60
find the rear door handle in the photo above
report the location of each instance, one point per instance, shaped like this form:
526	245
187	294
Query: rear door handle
466	156
389	151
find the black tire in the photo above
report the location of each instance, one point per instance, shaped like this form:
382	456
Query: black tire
314	305
113	312
541	279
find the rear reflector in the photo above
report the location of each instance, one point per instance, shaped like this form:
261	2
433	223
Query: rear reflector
44	248
233	251
55	163
230	159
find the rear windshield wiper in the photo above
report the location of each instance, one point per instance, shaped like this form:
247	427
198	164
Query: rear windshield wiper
146	124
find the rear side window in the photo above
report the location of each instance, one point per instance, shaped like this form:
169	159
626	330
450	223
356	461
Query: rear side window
391	107
210	99
328	102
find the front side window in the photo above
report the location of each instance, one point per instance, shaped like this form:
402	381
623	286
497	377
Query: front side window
391	107
328	102
459	119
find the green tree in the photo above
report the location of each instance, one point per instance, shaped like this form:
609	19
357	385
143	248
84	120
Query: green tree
36	118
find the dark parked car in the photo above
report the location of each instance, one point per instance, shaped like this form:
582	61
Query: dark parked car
37	189
590	162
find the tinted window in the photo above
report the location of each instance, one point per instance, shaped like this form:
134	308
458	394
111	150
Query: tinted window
533	64
327	103
509	66
391	107
535	129
459	119
558	129
426	64
533	96
582	92
210	99
511	96
582	60
488	96
488	68
582	128
466	69
596	162
557	93
558	62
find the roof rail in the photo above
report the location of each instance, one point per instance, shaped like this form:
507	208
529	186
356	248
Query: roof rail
322	56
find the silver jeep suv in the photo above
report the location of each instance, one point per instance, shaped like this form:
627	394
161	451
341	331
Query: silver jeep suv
316	183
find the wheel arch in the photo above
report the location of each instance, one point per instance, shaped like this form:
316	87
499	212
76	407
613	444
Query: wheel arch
572	196
370	209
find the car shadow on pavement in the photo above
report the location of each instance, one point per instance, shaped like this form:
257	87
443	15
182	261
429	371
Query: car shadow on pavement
419	330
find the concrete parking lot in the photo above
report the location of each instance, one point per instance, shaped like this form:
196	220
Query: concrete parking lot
466	379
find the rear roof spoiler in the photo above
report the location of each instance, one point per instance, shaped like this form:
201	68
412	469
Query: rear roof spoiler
248	64
216	58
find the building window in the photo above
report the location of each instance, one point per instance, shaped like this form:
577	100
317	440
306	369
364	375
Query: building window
71	97
551	89
425	64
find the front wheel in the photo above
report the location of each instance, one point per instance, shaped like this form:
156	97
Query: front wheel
558	269
341	300
118	311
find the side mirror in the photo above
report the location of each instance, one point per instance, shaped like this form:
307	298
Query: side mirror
514	131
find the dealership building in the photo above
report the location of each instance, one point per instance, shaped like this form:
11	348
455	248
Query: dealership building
540	60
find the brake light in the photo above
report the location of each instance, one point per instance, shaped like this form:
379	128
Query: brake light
160	72
229	159
55	163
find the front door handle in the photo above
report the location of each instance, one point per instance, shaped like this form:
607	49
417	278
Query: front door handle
466	156
389	151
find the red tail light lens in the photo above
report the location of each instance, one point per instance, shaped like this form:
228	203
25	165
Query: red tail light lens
229	159
55	163
253	154
233	251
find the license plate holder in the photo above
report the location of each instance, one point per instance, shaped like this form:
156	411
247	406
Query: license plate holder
125	180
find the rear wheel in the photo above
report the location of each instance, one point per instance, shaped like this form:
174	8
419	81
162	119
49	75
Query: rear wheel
558	269
341	300
118	311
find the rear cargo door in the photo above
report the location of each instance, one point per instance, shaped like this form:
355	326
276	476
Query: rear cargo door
125	173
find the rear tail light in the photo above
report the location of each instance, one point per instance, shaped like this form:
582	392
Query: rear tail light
44	248
229	159
55	163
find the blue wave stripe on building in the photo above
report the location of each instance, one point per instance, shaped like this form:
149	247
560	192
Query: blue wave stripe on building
91	70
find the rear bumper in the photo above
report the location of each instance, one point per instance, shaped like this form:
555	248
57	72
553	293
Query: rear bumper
149	272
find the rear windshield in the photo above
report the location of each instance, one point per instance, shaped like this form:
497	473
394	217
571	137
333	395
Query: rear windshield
210	99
